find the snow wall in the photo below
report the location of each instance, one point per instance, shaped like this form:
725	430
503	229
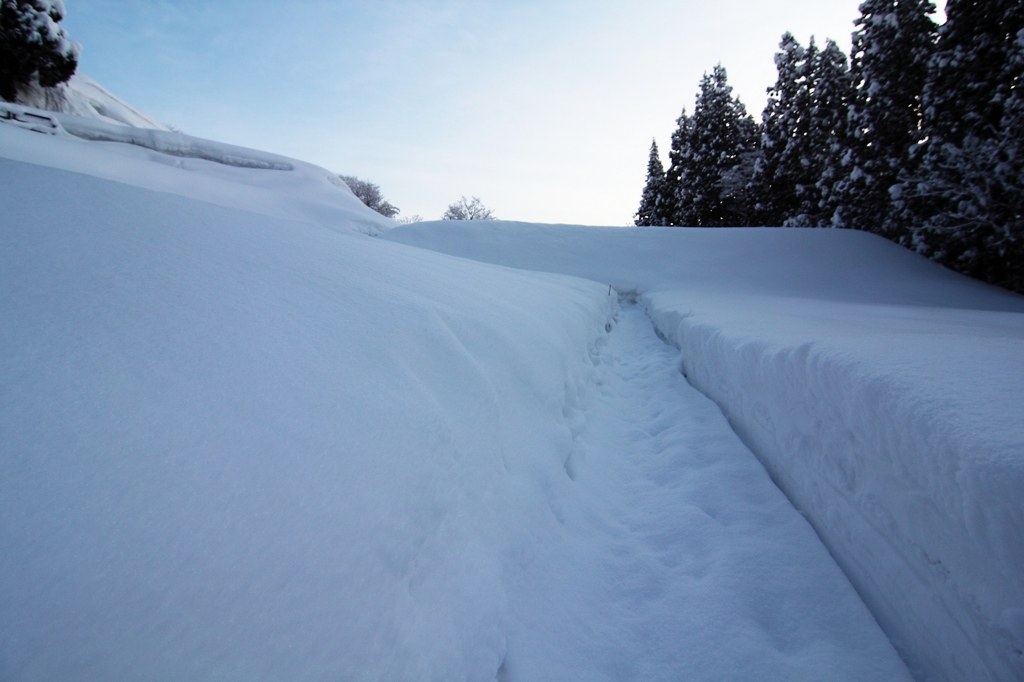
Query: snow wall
915	491
881	392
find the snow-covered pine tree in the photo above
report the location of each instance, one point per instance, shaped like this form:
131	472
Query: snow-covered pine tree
652	207
803	125
783	122
966	196
967	80
719	158
680	156
33	46
1009	243
891	49
830	108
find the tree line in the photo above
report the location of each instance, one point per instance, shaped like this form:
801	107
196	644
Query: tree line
370	194
916	137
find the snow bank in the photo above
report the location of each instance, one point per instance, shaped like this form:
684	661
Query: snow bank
84	97
175	144
165	142
86	109
218	173
238	447
880	391
894	429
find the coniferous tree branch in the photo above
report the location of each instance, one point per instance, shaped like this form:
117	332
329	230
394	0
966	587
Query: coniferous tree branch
33	46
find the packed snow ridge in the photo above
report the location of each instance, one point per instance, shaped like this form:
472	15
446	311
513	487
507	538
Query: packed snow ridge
152	157
242	439
165	142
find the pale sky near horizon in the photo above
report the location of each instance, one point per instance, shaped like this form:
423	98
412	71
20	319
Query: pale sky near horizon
544	109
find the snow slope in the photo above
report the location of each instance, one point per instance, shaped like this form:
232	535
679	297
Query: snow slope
258	445
881	392
222	174
83	97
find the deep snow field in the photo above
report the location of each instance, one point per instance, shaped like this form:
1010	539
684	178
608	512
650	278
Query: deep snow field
244	438
880	391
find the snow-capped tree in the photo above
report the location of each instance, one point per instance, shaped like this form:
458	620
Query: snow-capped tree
783	135
33	46
680	155
965	198
713	155
468	209
969	81
803	126
370	194
889	63
653	202
830	107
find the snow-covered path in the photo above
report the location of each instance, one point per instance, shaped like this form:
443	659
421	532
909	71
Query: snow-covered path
677	557
239	441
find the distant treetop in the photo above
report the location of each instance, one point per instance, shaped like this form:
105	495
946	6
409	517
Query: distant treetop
465	209
369	194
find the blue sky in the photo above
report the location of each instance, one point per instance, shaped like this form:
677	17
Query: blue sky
545	110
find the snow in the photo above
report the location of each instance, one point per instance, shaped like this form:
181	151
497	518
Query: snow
701	568
209	171
237	447
83	97
174	144
880	391
243	440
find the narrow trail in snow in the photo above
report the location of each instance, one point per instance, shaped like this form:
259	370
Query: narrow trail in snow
676	556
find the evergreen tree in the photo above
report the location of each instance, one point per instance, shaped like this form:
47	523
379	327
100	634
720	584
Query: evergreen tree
33	46
652	205
803	124
891	49
1008	243
966	196
680	156
830	108
784	122
717	160
968	82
